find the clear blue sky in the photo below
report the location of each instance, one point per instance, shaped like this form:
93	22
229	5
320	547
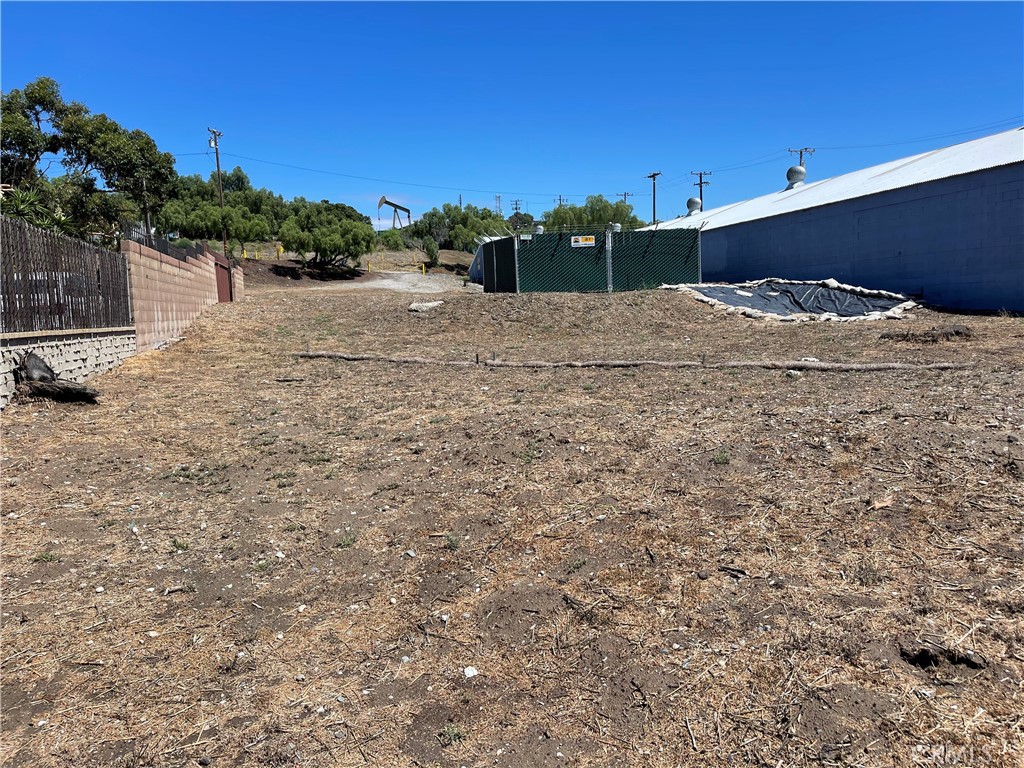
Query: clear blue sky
530	100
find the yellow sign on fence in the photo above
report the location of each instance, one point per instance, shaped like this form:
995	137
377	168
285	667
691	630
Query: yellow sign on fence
583	241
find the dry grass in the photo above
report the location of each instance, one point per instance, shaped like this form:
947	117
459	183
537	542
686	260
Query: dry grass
704	566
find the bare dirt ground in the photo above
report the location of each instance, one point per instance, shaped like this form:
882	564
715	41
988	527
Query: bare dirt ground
240	557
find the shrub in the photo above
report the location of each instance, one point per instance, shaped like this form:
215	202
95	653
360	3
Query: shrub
391	239
430	247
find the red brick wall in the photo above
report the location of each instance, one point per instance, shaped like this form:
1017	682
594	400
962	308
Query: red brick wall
167	294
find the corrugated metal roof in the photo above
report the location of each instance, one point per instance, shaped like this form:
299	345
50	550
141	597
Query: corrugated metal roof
989	152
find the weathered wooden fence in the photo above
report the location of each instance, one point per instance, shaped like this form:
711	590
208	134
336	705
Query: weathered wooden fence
50	282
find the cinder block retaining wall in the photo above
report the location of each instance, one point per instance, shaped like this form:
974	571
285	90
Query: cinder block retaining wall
73	355
237	284
167	293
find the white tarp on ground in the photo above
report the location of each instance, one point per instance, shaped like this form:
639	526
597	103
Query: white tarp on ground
799	300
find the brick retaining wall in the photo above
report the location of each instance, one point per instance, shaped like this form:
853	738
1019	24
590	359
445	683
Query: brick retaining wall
168	294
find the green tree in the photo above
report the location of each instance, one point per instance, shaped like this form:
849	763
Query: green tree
520	220
30	129
430	248
391	239
109	171
456	227
597	212
334	232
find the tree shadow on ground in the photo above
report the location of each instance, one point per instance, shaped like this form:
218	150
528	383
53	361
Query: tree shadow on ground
296	270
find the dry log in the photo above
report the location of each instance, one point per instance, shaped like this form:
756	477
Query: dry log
60	389
789	365
807	365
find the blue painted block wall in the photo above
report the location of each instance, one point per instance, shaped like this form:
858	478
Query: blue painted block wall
956	242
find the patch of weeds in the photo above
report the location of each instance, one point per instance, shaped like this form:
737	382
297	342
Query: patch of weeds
177	545
589	387
451	541
721	457
263	566
282	331
575	565
345	541
264	439
285	479
104	524
532	452
450	734
318	458
200	474
867	574
293	527
45	557
438	419
385	488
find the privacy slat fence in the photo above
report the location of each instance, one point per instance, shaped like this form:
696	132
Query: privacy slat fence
50	282
593	260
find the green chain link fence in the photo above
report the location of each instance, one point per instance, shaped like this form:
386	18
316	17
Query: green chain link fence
584	261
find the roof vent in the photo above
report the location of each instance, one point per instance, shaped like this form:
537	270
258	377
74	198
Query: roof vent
693	205
539	229
795	176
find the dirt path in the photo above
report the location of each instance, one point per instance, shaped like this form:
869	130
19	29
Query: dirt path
243	558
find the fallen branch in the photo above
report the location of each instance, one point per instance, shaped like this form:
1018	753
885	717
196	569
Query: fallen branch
789	365
59	389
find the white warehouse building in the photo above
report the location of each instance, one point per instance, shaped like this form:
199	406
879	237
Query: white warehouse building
946	227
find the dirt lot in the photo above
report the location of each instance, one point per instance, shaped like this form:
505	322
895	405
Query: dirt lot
240	557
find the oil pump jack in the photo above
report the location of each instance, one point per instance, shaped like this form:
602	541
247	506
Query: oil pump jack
396	219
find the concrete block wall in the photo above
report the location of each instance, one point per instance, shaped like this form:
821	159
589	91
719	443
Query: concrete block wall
167	294
956	242
73	355
237	283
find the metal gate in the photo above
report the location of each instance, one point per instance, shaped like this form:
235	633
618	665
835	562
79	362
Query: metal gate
223	281
563	261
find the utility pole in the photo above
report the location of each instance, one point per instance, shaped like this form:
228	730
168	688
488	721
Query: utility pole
624	195
560	201
654	195
515	205
214	136
801	152
700	183
497	204
460	199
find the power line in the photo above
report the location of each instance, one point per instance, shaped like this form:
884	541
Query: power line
388	181
666	184
1001	123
